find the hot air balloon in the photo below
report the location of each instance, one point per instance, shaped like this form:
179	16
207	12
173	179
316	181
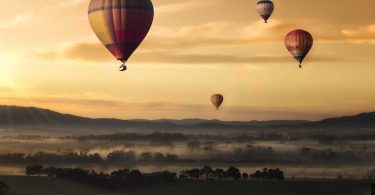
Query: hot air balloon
217	100
265	9
121	25
299	43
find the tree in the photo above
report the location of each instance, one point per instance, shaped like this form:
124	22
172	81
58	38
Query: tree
268	174
245	176
279	175
234	173
220	173
256	175
51	172
206	172
34	170
264	174
171	157
159	157
146	156
122	174
193	173
121	156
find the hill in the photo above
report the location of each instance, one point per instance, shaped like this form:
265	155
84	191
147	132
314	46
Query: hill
16	118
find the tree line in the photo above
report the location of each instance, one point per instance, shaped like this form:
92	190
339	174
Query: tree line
208	173
114	157
123	178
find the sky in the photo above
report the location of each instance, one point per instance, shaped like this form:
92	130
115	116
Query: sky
50	58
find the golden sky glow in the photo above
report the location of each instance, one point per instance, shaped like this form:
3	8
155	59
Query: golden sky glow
50	58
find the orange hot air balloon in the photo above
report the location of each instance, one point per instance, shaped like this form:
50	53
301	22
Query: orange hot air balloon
299	43
121	25
217	100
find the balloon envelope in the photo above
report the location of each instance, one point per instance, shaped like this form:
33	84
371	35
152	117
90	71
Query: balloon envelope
217	100
265	9
121	25
299	42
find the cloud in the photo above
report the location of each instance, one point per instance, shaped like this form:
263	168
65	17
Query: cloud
87	52
181	45
360	35
66	4
93	52
175	58
180	6
222	33
184	45
17	21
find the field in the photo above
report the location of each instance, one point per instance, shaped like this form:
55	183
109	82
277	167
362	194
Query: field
22	185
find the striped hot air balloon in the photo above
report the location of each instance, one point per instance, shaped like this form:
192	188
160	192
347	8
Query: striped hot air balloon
121	25
299	43
265	9
217	100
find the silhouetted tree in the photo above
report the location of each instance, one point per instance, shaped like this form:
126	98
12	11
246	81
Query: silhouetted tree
234	173
220	174
146	156
268	174
159	157
34	170
256	175
193	173
206	172
121	156
245	176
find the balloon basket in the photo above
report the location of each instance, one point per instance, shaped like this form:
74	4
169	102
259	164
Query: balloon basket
123	68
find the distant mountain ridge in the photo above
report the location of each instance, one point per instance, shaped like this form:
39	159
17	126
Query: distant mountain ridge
363	120
16	117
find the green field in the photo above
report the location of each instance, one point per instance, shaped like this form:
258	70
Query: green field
21	185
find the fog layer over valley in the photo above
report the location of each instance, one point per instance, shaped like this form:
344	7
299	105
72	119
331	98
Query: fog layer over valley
300	155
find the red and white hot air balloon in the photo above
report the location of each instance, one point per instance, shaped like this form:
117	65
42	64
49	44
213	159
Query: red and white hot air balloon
299	43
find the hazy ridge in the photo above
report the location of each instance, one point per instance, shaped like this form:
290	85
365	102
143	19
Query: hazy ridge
15	118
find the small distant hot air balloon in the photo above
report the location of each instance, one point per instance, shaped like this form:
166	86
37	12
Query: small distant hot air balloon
265	9
299	42
217	100
121	25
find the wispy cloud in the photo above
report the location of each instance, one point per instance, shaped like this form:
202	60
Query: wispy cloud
94	52
181	6
182	45
360	35
17	21
224	33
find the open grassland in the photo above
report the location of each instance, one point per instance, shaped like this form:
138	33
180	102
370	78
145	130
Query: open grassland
22	185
